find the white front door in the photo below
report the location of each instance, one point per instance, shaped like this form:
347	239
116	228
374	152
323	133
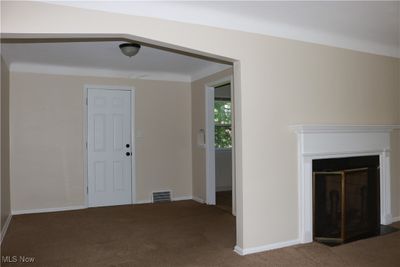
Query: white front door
109	147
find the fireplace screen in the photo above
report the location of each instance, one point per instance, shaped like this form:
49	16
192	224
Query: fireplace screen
345	203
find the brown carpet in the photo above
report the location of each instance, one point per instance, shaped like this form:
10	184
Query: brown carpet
182	233
224	200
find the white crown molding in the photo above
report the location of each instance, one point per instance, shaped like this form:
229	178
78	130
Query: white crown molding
203	15
343	128
94	72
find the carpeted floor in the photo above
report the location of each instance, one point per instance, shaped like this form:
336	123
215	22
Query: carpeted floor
224	200
182	233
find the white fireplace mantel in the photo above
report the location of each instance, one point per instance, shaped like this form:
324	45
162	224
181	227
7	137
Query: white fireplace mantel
338	141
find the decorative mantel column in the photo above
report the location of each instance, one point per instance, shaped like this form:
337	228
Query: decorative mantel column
339	141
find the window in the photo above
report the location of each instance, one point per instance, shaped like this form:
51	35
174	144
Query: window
223	123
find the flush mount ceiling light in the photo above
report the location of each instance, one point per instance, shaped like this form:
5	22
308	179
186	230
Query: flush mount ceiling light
129	49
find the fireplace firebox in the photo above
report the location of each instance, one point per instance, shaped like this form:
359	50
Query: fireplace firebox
346	199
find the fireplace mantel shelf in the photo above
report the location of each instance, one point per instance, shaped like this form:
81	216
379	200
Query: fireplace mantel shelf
343	128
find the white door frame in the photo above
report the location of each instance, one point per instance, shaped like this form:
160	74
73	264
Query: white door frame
85	136
210	141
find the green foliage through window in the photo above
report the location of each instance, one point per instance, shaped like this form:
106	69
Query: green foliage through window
223	123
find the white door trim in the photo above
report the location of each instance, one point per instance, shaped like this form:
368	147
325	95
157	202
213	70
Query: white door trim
210	145
85	136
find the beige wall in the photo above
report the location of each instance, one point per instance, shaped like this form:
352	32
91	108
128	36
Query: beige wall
47	156
5	145
281	82
199	122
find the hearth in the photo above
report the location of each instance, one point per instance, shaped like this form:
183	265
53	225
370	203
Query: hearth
346	199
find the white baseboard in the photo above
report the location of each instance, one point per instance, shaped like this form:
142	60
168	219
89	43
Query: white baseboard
5	228
220	188
395	219
18	212
252	250
197	199
182	198
148	201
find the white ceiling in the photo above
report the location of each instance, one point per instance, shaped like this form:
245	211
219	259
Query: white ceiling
367	26
106	59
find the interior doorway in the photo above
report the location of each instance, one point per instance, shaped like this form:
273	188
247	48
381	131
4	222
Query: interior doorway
98	77
223	146
220	144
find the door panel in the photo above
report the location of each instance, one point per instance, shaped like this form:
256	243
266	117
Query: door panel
99	121
118	132
109	132
99	176
118	175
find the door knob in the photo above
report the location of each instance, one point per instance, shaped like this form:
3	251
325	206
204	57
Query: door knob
128	154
